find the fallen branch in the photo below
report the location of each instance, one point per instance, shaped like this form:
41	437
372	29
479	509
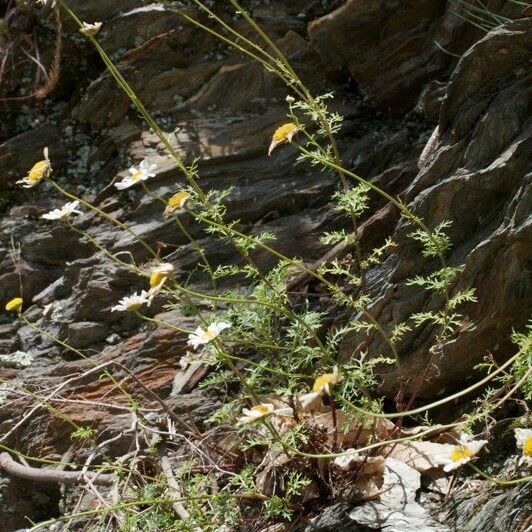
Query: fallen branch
179	509
50	475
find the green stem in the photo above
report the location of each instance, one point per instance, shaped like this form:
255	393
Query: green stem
162	323
108	217
408	214
303	268
435	404
182	228
168	325
268	66
439	428
153	124
500	481
104	250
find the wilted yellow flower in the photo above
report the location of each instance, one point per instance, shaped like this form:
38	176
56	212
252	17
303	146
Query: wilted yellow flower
159	273
14	304
158	276
176	204
283	134
38	172
324	382
90	29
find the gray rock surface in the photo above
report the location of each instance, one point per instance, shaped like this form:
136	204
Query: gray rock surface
479	176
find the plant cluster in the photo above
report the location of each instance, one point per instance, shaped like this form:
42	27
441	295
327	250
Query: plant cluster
296	425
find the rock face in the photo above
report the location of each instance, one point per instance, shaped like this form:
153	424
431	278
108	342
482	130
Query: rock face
214	103
478	174
392	48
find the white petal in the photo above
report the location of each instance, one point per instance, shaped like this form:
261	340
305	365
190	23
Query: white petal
521	435
308	398
476	445
286	411
121	185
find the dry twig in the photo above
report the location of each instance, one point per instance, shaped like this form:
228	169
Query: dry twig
51	475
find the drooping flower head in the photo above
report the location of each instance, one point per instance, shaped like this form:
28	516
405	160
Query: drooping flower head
323	383
160	273
200	336
64	212
14	304
38	172
176	204
523	438
132	303
256	412
90	29
458	455
139	173
158	276
282	134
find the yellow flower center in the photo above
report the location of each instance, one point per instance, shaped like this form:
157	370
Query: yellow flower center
179	199
135	176
261	409
527	446
460	452
156	278
283	132
324	380
38	171
134	306
14	304
210	334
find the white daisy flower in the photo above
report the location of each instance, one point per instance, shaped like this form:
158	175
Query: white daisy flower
38	172
458	455
262	410
139	173
90	29
523	438
131	303
64	212
256	412
200	336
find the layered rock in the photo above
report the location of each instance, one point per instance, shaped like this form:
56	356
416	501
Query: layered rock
392	48
478	176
